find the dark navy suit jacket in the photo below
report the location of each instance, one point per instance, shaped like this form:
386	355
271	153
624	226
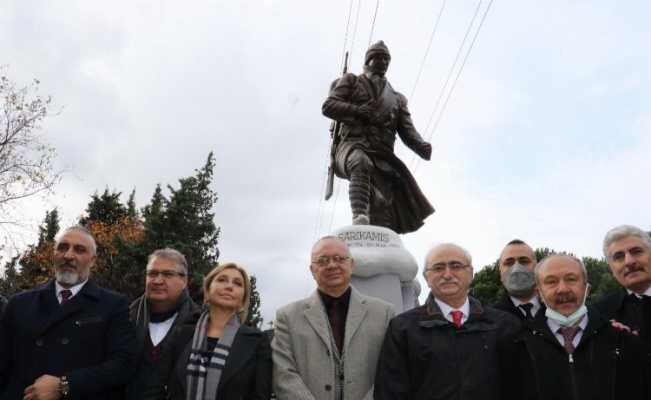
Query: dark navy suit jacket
90	340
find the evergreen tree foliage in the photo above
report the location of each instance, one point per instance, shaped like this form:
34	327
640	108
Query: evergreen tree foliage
132	211
254	318
602	282
47	233
185	222
486	285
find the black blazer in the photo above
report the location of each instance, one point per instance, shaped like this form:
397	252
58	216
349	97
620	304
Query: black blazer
246	374
90	340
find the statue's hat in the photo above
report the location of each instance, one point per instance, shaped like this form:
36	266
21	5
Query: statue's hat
377	48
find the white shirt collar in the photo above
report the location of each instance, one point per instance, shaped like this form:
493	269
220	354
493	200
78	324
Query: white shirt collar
535	301
559	336
554	326
445	309
75	289
647	293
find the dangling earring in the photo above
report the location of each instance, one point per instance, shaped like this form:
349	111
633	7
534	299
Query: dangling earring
206	304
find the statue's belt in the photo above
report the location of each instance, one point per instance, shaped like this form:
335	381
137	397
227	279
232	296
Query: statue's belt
368	130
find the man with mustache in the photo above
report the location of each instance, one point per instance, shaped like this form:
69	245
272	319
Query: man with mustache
628	252
517	262
447	348
570	351
69	337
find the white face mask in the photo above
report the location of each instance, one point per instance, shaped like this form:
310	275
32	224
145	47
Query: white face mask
571	319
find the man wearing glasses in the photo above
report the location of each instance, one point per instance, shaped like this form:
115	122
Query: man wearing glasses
326	346
165	304
446	348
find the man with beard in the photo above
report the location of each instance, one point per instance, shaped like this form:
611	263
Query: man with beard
570	351
165	305
68	337
517	262
382	191
447	348
628	252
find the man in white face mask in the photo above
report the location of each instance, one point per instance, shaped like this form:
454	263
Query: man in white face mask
570	351
517	262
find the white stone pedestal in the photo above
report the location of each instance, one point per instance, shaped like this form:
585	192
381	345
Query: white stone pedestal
383	267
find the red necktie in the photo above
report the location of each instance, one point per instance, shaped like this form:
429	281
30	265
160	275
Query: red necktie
456	317
65	295
333	317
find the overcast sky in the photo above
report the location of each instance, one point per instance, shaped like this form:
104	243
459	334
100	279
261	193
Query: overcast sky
543	135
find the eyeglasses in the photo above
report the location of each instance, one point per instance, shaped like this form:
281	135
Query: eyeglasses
455	266
325	261
166	274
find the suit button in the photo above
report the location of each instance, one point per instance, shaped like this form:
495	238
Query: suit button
39	342
65	340
328	387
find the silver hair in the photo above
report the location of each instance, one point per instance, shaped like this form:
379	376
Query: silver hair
541	262
169	254
431	250
623	231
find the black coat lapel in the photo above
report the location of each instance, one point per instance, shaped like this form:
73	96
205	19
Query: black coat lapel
244	348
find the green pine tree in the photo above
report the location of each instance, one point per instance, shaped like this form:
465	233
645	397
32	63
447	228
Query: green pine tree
185	222
254	318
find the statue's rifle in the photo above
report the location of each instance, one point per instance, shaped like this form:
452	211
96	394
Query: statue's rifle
335	134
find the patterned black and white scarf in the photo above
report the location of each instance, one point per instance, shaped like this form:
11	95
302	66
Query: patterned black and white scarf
205	366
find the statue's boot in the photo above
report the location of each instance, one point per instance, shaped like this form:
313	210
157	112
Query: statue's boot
359	194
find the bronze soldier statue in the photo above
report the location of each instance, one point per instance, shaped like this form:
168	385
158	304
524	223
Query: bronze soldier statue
368	112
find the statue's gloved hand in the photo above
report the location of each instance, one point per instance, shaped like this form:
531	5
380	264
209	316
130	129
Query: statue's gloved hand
424	150
364	113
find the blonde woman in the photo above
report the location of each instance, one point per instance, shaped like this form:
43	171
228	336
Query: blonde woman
218	358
